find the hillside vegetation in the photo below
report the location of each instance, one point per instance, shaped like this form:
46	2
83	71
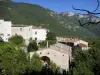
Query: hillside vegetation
32	14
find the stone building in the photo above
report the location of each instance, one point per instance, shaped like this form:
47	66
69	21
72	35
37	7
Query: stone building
5	30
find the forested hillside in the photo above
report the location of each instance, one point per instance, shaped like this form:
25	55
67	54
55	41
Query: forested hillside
32	14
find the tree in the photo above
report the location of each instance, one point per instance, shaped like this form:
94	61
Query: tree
35	64
54	67
17	40
87	62
43	44
90	14
12	61
51	36
32	46
51	42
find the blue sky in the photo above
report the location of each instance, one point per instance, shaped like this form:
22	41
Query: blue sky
64	5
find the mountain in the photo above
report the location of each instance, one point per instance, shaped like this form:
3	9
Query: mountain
63	24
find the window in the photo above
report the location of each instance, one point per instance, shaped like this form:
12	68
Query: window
1	35
40	53
20	29
48	53
8	34
35	32
15	33
6	38
35	38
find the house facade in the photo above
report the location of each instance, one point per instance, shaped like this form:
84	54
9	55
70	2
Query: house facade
74	42
5	30
27	32
24	30
39	33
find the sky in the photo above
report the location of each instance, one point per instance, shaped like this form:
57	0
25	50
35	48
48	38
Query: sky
64	5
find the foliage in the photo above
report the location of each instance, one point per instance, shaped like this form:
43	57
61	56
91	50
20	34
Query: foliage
32	14
54	67
87	62
13	62
35	63
4	4
16	62
44	43
17	40
30	39
51	36
51	42
32	46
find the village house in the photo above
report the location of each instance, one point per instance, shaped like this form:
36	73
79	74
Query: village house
5	30
27	32
74	42
24	30
39	33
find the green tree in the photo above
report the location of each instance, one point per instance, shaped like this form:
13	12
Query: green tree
51	36
54	67
87	62
44	43
51	42
35	64
17	40
32	46
12	61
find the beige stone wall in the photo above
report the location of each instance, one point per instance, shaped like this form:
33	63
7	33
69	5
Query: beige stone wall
60	58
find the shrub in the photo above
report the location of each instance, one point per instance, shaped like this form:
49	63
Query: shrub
32	46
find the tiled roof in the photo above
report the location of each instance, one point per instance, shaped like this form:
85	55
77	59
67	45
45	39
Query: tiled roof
19	25
83	45
38	27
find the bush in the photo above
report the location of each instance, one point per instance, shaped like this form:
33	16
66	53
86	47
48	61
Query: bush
17	40
35	63
32	46
44	43
51	36
51	42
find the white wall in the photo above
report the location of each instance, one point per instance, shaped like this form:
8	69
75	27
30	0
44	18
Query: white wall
83	42
40	34
25	32
79	42
1	26
7	26
85	48
5	29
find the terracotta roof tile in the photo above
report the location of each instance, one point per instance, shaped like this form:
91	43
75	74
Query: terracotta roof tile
83	45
